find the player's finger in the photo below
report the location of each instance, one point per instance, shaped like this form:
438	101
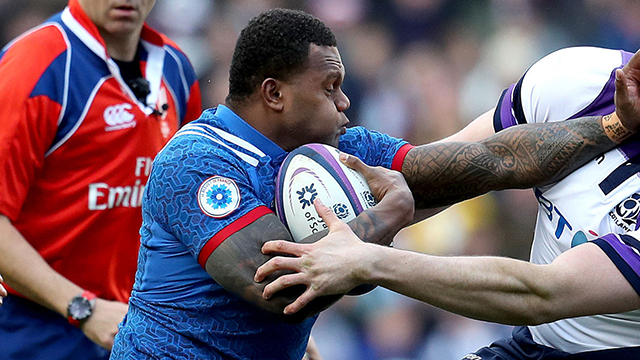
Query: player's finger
283	282
355	163
300	302
275	264
329	217
282	246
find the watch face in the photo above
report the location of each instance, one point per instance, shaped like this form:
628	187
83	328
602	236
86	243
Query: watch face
80	308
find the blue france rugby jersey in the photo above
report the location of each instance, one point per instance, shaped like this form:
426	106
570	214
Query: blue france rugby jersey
215	176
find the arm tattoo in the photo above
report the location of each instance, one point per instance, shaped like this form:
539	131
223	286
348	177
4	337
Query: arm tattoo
519	157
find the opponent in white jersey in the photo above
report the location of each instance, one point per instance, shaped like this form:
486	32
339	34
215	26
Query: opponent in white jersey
600	198
596	205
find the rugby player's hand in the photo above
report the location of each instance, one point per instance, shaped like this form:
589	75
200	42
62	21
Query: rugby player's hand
329	266
102	326
627	98
386	183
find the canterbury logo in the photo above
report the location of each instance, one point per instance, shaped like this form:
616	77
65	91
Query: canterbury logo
118	117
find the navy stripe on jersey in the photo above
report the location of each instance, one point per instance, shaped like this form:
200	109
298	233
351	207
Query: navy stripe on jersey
497	121
631	241
625	269
177	81
521	346
81	85
518	112
620	175
54	90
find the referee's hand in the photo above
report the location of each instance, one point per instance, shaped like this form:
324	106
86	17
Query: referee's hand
102	326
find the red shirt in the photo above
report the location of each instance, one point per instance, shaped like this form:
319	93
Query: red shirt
76	146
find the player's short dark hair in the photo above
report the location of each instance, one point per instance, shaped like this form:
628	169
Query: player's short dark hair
275	44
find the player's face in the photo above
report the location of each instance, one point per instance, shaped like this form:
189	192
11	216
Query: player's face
118	17
316	103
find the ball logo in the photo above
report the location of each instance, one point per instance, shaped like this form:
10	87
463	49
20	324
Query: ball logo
118	117
369	198
341	210
218	196
306	195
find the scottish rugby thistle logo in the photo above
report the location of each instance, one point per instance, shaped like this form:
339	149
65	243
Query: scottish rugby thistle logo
341	210
218	196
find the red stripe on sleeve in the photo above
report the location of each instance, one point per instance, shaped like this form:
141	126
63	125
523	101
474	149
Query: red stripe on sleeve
229	230
399	158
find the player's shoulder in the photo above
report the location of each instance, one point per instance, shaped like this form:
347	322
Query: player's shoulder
583	65
43	43
566	82
202	144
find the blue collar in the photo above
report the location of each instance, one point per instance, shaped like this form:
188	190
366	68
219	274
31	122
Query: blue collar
242	129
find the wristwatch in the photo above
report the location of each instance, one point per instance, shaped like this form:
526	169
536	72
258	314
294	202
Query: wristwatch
81	307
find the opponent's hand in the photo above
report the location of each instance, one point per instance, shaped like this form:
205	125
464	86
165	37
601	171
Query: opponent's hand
328	266
627	98
3	291
102	326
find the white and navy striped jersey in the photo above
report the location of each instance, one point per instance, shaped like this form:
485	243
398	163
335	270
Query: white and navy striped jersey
598	202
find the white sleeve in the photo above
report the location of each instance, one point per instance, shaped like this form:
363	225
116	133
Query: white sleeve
566	84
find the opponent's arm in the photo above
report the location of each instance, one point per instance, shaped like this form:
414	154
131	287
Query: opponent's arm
28	273
582	281
519	157
523	156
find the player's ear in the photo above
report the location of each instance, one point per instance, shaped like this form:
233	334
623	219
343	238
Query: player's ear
271	93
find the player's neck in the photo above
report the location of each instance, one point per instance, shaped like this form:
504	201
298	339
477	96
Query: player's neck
255	114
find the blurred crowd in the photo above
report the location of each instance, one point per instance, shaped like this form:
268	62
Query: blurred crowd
417	69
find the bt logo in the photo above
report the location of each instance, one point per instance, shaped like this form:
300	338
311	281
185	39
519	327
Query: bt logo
552	212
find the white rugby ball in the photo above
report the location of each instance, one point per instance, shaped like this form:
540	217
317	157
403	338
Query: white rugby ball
315	171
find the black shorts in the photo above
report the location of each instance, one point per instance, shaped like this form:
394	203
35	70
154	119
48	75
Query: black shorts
522	347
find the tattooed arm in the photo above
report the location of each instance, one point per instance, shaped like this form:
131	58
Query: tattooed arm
522	156
519	157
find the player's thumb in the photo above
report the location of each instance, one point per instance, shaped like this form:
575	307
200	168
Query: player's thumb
624	105
329	217
621	87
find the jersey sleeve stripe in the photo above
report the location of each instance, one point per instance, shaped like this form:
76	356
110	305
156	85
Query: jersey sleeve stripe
624	258
631	241
518	110
229	230
398	159
503	117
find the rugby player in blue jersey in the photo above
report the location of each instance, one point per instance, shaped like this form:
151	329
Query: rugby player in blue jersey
578	296
208	206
